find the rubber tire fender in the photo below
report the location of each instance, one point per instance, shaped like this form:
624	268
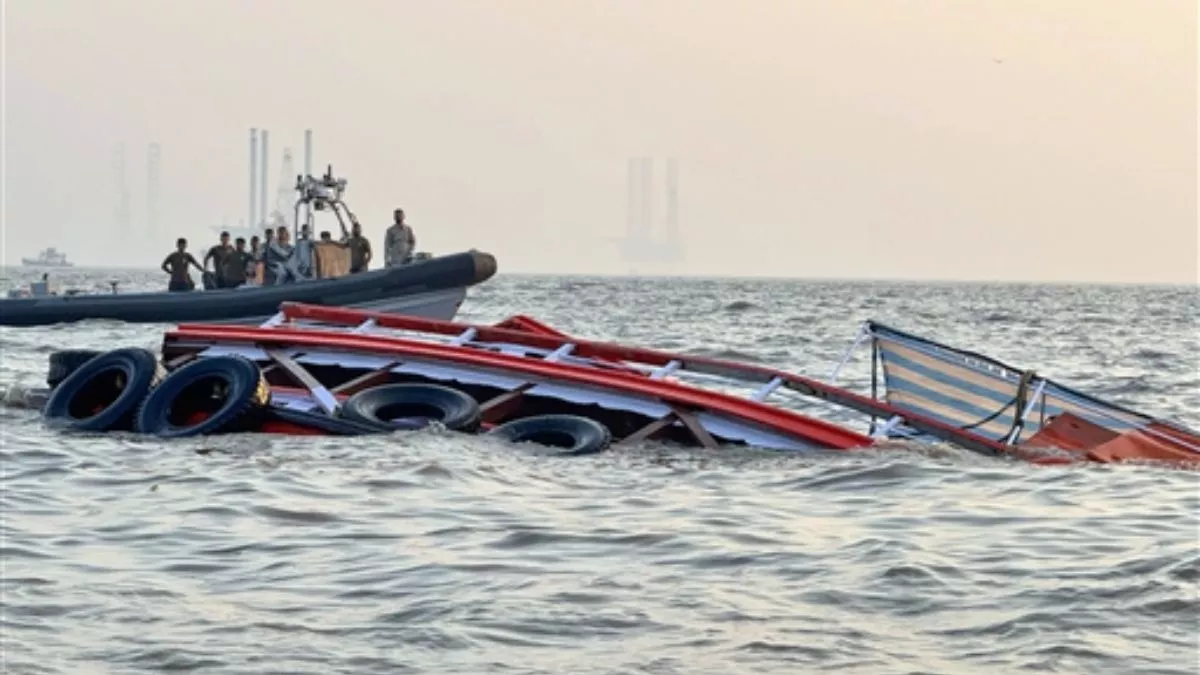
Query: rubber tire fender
575	435
334	426
66	361
141	372
454	409
246	392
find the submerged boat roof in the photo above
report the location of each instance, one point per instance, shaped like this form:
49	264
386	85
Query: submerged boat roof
932	390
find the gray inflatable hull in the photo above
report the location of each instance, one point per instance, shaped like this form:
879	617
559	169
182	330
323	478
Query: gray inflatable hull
431	288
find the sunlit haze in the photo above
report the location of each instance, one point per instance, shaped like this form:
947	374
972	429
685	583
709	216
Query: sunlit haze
1051	140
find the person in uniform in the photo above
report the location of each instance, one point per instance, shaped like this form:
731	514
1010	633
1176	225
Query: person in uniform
235	263
217	255
176	265
399	242
360	249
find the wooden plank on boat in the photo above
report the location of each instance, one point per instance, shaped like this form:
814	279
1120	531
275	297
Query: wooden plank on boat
689	420
496	406
324	397
366	380
693	425
647	431
272	367
179	360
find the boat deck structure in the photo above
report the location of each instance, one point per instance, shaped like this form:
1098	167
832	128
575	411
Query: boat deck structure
317	356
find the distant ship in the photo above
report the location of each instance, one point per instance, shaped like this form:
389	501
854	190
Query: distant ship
50	257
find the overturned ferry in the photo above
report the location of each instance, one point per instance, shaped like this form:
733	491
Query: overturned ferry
326	370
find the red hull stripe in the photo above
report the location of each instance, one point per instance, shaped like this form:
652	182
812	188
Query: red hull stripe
614	352
815	431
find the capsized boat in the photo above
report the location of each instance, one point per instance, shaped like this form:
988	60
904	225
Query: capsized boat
321	366
431	286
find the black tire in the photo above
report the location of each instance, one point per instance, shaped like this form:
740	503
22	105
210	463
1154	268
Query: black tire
575	435
413	406
334	426
228	388
103	394
66	361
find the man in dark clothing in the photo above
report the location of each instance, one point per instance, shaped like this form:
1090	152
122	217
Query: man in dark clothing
268	273
255	258
176	265
217	255
360	249
233	268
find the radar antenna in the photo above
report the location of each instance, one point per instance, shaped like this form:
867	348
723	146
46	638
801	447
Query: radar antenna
321	194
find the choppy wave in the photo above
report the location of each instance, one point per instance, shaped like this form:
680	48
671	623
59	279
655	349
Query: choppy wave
430	552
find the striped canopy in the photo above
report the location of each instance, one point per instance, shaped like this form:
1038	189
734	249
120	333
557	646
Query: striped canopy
980	394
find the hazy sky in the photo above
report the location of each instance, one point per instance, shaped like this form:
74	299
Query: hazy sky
977	139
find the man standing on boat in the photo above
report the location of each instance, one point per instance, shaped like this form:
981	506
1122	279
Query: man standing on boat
255	257
399	242
176	265
304	263
233	268
268	275
280	258
217	255
360	249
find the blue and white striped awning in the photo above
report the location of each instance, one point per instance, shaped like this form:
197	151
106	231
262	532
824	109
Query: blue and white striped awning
962	389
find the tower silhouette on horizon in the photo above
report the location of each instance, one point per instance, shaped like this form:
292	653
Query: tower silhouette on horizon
640	248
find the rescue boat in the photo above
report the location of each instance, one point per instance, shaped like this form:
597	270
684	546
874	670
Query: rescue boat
314	369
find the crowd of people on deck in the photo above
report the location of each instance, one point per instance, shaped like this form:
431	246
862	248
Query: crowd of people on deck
275	260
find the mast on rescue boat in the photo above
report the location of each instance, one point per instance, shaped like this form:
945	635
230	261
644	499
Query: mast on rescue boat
319	194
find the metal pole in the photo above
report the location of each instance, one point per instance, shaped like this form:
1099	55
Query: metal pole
123	212
631	218
153	162
647	224
308	158
672	200
264	211
253	221
308	152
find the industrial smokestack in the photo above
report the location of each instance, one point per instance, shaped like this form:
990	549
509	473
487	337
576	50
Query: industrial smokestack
631	216
308	152
672	199
308	158
263	160
647	190
253	178
123	212
153	164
